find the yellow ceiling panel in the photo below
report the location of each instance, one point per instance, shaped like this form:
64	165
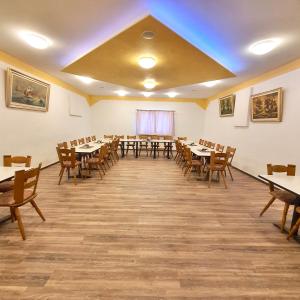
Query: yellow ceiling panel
178	62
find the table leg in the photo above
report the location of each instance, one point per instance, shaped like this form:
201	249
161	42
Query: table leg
296	215
168	150
136	149
122	149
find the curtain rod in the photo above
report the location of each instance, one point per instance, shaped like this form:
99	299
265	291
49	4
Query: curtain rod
155	110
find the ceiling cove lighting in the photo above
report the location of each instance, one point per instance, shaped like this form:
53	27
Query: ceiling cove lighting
147	62
210	83
35	40
147	94
121	93
172	94
150	84
264	46
84	79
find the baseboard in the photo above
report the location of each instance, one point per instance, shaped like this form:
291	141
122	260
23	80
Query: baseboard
250	175
50	165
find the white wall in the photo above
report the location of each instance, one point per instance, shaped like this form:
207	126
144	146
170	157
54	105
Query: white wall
24	132
261	143
119	117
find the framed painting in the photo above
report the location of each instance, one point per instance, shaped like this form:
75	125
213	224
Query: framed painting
25	92
226	106
267	106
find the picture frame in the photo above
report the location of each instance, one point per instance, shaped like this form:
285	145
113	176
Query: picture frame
267	106
26	92
226	105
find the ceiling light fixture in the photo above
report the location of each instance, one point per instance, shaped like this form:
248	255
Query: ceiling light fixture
210	83
35	40
147	62
122	93
84	79
148	35
150	84
264	46
172	94
147	94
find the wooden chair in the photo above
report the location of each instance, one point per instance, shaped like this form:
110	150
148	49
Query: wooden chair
191	163
115	149
201	142
63	145
212	145
81	141
284	196
88	139
218	163
93	138
98	162
108	136
296	226
165	149
74	143
181	138
143	145
220	148
231	153
9	161
178	150
24	192
130	145
67	159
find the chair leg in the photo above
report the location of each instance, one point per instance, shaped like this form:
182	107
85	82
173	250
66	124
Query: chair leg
223	177
284	214
230	172
209	179
33	203
294	229
267	206
61	175
188	169
12	214
20	224
74	176
98	167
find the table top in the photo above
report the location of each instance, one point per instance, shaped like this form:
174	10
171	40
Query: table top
288	183
150	141
9	172
93	146
198	149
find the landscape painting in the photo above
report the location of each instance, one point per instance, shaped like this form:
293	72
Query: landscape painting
25	92
267	106
226	106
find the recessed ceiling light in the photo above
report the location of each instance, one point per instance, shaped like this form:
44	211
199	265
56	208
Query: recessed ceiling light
122	93
147	94
210	83
84	79
172	94
35	40
264	46
147	62
148	35
150	84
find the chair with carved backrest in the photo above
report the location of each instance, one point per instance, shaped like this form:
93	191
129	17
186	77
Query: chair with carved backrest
167	145
212	145
231	151
74	143
201	142
24	191
144	144
10	161
63	145
191	163
81	141
220	148
67	159
131	144
88	139
93	138
181	138
98	162
217	163
284	196
108	136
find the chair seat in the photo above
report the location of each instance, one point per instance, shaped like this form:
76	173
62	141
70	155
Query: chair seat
196	162
6	186
7	199
68	164
284	196
216	167
94	160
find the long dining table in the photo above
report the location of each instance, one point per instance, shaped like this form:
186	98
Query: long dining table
290	184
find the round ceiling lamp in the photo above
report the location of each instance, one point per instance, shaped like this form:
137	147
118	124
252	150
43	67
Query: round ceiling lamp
150	84
148	35
147	62
264	46
35	40
147	94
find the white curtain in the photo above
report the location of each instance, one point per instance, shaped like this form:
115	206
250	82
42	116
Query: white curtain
155	122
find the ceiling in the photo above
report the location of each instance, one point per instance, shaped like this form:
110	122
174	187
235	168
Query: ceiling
222	29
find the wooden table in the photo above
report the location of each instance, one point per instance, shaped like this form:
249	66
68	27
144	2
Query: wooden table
290	184
7	173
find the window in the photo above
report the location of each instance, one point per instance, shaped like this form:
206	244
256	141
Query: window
155	122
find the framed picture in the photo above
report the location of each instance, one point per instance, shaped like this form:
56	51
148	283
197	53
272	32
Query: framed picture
25	92
226	106
267	106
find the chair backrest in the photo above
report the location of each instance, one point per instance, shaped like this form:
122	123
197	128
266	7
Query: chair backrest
25	180
143	137
212	145
188	154
93	138
168	137
131	137
231	152
201	141
154	137
220	148
66	155
81	141
181	138
88	139
219	159
290	170
208	144
74	143
9	161
119	136
108	136
63	145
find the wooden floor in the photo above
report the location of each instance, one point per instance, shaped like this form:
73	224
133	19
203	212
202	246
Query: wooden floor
146	232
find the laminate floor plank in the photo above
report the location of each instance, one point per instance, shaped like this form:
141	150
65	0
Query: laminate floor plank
147	232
